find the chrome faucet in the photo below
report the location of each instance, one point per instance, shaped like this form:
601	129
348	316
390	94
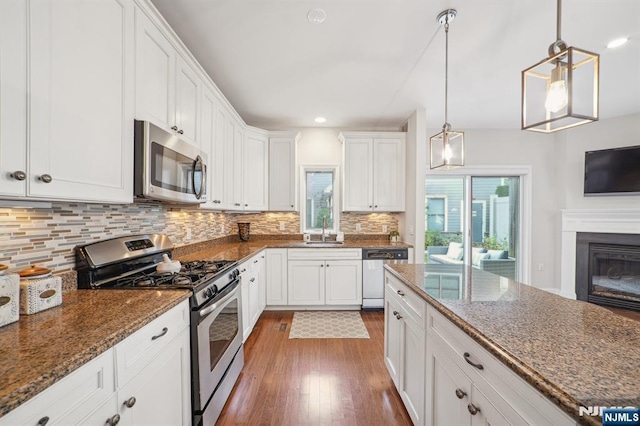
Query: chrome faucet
324	227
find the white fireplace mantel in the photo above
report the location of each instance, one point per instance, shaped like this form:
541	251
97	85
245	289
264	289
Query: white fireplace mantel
619	221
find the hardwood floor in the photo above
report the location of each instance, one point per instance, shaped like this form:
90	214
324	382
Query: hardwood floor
635	315
313	381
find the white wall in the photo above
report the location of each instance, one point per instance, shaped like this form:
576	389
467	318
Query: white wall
612	133
411	224
319	147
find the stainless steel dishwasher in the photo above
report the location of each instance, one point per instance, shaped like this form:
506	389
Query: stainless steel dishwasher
373	274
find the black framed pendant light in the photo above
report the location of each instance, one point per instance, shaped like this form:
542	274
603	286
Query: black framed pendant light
561	91
446	149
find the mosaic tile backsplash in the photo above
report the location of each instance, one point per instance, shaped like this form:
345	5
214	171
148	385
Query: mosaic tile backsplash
47	237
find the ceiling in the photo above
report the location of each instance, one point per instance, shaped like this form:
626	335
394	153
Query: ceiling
371	63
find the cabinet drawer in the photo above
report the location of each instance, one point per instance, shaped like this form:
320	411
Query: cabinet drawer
137	350
72	398
495	380
325	254
413	304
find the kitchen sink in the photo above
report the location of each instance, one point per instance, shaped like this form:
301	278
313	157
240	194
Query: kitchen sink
324	243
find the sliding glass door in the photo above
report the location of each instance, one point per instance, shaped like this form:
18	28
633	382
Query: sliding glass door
474	220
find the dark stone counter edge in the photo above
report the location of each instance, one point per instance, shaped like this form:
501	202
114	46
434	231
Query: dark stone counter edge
565	401
21	395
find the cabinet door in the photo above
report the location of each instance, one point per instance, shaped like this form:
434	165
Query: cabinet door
282	174
344	282
392	335
161	390
232	164
448	390
262	283
306	282
82	98
412	384
155	74
276	277
13	96
107	411
245	277
388	175
254	298
208	111
358	175
188	87
254	176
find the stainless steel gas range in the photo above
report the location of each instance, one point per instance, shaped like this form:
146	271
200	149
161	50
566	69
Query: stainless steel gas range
216	318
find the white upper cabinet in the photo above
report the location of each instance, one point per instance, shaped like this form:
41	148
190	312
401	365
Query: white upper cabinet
254	176
70	135
167	88
282	171
211	142
374	171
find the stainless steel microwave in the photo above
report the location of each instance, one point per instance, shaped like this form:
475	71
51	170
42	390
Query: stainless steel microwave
167	168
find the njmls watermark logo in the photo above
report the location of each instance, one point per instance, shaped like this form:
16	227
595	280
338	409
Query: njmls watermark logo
613	416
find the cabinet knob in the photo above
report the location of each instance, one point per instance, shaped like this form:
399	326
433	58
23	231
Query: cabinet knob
244	270
473	409
252	280
20	175
398	316
322	266
43	421
467	357
45	178
375	207
113	421
395	312
174	128
246	205
370	206
130	402
181	132
162	333
460	393
256	261
400	292
237	204
327	265
291	205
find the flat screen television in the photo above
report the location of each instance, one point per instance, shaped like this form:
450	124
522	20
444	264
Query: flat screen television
612	171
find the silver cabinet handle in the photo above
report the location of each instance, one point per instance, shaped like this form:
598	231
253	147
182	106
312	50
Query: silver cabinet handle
20	175
45	178
113	421
473	409
164	331
174	128
400	292
460	393
130	402
43	421
466	358
181	132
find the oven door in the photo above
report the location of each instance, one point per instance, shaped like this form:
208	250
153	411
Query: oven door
168	168
219	337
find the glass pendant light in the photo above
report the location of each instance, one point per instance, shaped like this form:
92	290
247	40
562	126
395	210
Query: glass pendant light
560	91
447	147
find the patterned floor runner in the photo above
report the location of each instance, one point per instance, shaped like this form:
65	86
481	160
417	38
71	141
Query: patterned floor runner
328	325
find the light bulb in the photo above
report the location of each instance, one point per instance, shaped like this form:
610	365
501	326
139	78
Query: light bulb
447	153
557	97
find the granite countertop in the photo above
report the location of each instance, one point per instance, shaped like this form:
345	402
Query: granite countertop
41	349
243	250
576	353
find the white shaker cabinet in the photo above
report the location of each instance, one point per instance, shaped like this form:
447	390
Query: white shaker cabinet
233	138
374	171
255	170
79	106
276	277
167	87
283	184
253	290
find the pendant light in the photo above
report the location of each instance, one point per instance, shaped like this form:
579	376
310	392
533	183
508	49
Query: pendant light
447	147
561	91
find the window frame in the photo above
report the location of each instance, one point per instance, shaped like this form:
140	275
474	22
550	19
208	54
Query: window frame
445	199
303	198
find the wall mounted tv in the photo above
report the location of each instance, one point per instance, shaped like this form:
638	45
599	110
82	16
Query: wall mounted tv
612	171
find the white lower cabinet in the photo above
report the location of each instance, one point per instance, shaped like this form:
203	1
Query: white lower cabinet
276	277
404	349
253	291
319	277
154	378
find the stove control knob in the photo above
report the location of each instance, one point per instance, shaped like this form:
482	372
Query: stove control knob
208	292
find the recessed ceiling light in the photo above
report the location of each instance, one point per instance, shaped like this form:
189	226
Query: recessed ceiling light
316	16
617	42
320	120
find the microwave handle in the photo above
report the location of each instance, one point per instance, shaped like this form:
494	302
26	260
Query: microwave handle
197	164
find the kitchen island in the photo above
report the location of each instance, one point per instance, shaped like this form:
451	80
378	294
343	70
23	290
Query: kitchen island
572	352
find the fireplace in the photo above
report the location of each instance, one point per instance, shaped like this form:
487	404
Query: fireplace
608	269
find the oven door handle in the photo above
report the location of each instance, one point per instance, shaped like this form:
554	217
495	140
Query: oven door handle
206	311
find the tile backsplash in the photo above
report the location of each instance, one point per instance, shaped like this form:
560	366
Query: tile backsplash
47	237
